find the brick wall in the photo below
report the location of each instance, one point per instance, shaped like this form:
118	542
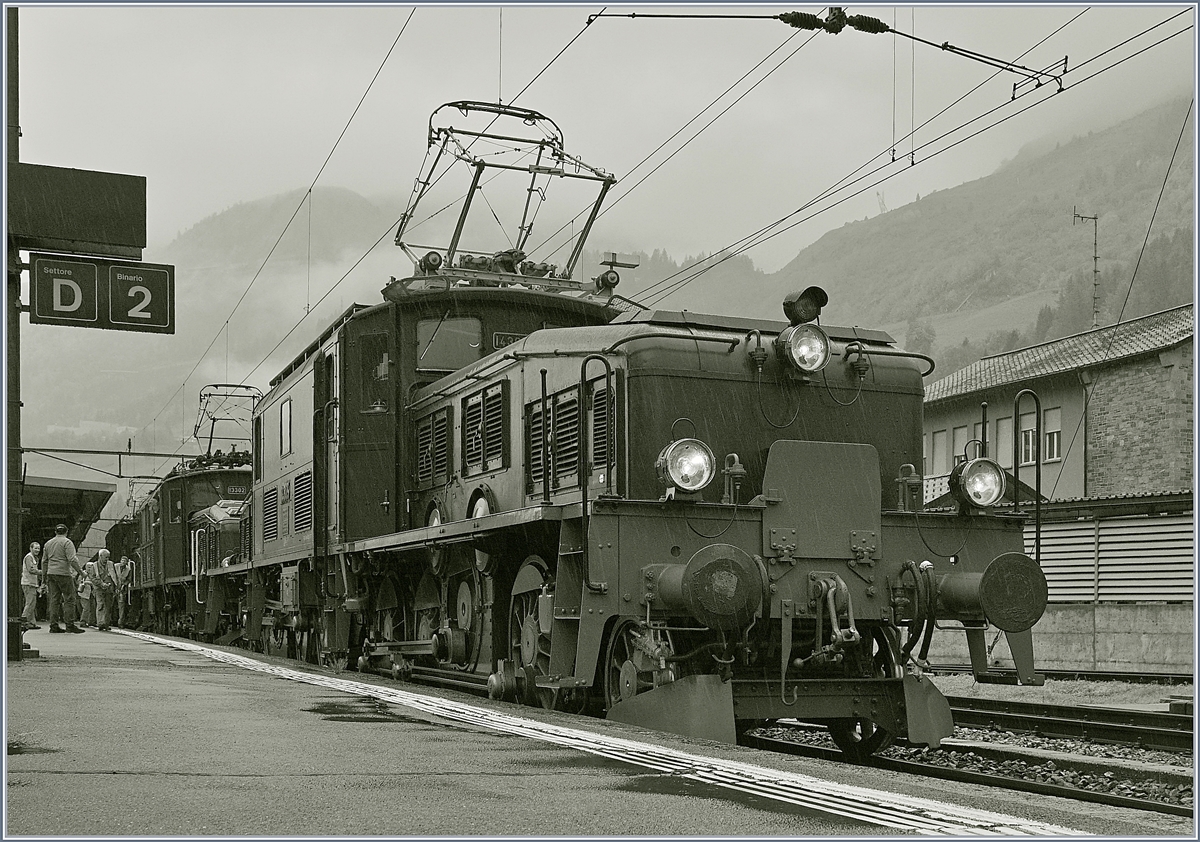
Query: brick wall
1139	425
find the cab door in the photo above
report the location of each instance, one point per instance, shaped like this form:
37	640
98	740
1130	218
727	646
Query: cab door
369	505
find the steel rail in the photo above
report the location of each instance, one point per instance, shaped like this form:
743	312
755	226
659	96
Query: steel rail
885	809
1075	675
964	776
1121	726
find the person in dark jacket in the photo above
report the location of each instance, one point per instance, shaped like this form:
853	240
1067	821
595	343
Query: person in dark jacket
60	557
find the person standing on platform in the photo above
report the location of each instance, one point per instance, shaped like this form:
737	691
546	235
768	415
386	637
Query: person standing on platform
87	595
60	557
104	585
124	577
31	583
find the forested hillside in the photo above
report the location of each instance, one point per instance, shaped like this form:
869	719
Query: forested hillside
1002	261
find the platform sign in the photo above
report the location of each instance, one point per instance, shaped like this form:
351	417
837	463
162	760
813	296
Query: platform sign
102	293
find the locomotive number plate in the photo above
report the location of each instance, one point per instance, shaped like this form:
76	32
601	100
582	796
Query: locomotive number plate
503	340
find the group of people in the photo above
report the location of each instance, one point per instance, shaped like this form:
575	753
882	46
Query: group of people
100	585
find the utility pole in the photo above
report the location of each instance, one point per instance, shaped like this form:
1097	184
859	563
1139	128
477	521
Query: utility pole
16	503
1095	263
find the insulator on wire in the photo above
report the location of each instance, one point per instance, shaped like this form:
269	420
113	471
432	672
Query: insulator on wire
864	23
835	21
801	20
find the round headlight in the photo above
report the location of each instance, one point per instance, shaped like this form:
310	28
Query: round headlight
804	346
686	464
979	482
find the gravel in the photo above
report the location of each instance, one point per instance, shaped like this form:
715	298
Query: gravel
1118	780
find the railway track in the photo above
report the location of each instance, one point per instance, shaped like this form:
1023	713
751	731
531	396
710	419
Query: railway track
951	773
1009	676
1119	726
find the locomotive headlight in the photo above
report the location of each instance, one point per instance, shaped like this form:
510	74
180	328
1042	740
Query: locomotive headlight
686	464
805	346
978	482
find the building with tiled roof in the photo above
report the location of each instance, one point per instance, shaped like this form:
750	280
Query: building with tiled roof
1116	409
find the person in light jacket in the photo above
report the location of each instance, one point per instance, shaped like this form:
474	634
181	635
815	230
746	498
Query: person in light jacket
124	578
104	589
31	583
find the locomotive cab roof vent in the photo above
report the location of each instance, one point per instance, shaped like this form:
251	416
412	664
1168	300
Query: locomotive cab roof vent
801	307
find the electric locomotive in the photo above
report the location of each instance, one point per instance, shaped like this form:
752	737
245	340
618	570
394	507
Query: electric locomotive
499	475
167	538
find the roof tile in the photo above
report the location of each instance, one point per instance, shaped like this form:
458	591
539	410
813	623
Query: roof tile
1083	350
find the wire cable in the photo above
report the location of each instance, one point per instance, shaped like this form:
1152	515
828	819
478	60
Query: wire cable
741	246
1087	397
724	255
279	239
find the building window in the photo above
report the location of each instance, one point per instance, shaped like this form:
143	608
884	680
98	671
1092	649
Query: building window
1052	422
285	427
1028	438
939	453
960	445
925	454
977	437
1004	442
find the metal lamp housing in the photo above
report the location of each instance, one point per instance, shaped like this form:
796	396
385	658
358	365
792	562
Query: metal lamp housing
686	465
805	347
977	483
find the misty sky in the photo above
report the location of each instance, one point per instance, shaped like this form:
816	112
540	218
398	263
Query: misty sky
221	105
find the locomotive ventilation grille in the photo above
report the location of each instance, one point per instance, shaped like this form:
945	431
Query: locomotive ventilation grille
247	530
433	449
302	514
601	415
566	438
271	514
565	421
483	430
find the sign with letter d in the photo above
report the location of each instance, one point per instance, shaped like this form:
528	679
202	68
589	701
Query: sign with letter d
102	293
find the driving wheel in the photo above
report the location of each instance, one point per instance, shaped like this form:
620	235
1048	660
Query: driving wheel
528	646
858	737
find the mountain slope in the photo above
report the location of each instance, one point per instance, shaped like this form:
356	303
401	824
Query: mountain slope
994	240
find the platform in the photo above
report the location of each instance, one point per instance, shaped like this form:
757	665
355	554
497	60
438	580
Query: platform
143	739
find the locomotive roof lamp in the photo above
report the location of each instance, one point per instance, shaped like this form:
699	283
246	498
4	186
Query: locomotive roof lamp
805	346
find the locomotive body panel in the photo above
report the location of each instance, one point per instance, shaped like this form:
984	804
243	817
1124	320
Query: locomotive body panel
282	508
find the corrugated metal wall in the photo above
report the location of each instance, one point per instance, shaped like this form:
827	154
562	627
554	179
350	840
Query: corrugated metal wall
1120	559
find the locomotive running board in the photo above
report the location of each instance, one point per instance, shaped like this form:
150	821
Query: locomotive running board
695	706
451	532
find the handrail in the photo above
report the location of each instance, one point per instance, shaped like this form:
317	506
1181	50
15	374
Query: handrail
584	474
858	347
731	342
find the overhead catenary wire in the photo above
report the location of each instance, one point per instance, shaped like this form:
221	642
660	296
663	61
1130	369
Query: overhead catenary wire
393	225
724	255
626	191
847	178
320	171
1116	327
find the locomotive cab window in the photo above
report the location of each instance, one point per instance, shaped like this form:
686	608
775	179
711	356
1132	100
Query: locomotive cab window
175	505
374	373
285	427
447	344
